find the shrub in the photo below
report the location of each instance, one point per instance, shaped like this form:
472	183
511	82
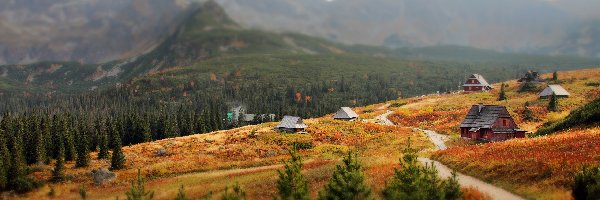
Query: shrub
415	182
586	185
302	145
397	104
138	191
236	193
528	87
347	181
291	184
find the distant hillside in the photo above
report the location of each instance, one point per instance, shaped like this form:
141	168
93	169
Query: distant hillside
209	54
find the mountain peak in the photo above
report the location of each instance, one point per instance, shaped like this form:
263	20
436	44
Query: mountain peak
209	16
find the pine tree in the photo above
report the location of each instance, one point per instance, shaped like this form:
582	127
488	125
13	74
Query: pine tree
103	141
17	169
83	152
236	194
555	76
553	104
70	152
347	182
3	170
146	131
291	184
181	194
452	188
502	96
83	192
57	172
45	128
39	143
527	113
118	158
138	191
586	184
416	182
405	183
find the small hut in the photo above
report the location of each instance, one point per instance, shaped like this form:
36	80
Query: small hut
490	123
557	90
476	83
345	113
291	124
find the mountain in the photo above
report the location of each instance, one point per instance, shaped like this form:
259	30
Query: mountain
97	31
533	26
88	31
207	40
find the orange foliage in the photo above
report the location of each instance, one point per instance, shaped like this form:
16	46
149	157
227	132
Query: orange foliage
544	162
298	96
471	193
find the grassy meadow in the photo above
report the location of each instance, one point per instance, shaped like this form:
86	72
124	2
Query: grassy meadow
249	155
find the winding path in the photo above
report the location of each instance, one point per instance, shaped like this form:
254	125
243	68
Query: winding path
444	172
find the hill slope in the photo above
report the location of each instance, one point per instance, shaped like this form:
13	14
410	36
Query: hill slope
537	168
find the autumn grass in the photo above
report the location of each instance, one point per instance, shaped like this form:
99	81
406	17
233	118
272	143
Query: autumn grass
537	168
443	113
249	155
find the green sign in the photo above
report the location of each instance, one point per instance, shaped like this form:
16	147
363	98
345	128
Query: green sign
229	116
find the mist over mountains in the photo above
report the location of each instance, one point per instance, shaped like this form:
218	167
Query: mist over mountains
92	31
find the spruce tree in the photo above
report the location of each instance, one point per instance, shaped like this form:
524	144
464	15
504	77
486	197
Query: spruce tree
70	152
555	76
17	169
57	172
83	152
236	193
527	113
415	182
502	96
553	104
47	137
452	188
103	142
83	192
406	182
291	184
347	182
586	184
3	170
181	194
138	190
145	130
118	158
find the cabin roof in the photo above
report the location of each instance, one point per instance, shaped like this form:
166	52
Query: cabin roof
345	113
480	79
291	122
484	116
556	89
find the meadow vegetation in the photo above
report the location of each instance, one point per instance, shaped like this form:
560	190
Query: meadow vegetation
248	155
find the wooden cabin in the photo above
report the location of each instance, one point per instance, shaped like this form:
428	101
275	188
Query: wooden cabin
557	90
476	83
291	124
489	123
345	113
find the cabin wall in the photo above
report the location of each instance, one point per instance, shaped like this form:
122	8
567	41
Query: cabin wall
504	123
472	88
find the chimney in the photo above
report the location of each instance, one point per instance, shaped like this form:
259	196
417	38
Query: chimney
480	106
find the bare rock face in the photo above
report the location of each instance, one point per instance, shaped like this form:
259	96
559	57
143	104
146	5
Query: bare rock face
103	175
